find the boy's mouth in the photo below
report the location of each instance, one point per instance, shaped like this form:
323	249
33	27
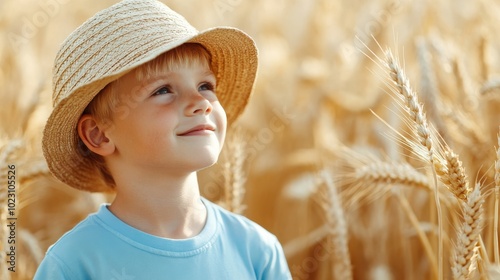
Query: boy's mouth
202	129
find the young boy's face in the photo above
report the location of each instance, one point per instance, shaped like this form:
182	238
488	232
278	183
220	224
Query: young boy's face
172	121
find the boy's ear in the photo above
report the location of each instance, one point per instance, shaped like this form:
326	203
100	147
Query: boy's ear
93	136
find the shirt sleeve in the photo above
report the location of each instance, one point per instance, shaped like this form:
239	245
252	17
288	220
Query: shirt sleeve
277	268
50	268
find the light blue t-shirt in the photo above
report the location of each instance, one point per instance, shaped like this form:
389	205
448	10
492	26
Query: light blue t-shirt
104	247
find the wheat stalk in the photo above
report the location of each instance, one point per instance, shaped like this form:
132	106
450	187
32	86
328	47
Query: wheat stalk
468	234
466	96
423	238
421	129
483	57
337	228
234	175
497	198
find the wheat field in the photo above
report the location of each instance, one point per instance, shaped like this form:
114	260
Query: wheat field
370	147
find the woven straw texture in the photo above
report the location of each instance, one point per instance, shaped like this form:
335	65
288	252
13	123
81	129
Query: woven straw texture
112	43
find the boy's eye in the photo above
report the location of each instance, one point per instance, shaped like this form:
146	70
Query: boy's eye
163	90
206	86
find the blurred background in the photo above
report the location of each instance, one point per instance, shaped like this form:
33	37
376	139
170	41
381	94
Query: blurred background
309	160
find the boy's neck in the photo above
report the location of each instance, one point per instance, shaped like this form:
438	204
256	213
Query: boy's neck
170	207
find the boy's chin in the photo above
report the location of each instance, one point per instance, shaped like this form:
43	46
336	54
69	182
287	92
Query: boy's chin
197	158
206	163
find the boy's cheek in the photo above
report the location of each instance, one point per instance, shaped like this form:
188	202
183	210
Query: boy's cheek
122	111
220	110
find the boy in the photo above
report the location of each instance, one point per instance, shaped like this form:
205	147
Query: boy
139	100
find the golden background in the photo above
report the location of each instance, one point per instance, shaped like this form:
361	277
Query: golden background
309	160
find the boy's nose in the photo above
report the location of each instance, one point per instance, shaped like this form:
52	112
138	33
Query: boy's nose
198	105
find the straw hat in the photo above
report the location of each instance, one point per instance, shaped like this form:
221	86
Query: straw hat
109	45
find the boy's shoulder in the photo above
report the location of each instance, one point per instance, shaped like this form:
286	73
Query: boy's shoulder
250	241
80	237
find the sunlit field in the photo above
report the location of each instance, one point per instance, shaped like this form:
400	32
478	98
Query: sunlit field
369	147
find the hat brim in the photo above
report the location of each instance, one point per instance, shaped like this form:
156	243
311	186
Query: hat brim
233	59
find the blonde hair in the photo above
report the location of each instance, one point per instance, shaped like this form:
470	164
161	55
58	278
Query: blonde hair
109	101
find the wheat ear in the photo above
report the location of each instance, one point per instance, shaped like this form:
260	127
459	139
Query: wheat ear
421	129
467	96
497	198
234	175
452	174
337	228
490	86
411	104
392	173
468	235
32	170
